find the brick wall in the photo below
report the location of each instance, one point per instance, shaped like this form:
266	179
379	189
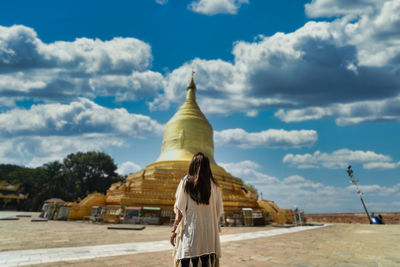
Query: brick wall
388	217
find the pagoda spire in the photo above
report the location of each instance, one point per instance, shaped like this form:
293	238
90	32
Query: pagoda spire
192	84
191	89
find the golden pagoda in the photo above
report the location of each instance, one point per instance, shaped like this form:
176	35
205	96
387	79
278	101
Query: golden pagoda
185	134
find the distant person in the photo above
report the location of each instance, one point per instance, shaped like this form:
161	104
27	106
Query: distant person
198	208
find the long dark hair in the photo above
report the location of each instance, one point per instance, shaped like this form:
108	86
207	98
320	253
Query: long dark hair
198	184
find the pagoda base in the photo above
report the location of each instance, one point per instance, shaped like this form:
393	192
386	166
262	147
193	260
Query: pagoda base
155	186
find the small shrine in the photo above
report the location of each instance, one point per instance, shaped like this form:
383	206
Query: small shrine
10	196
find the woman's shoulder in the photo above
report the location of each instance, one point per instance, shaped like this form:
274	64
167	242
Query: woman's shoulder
185	179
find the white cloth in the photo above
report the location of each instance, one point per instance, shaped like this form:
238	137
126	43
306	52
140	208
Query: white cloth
201	232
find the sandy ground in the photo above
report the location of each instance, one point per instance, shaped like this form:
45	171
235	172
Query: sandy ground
335	245
24	234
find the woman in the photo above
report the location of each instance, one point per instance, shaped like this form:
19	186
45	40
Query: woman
198	208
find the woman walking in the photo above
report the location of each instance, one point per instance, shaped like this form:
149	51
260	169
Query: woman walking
198	208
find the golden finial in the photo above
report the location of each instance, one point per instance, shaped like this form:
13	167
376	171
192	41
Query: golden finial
192	84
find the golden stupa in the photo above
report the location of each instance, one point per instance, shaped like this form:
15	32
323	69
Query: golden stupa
185	134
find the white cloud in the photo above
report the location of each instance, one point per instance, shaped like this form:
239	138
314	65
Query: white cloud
321	70
128	167
212	76
271	138
48	132
346	114
221	89
63	70
7	102
33	151
248	169
291	191
21	48
338	159
381	165
213	7
372	26
330	8
161	2
377	190
128	87
379	206
79	117
323	66
295	190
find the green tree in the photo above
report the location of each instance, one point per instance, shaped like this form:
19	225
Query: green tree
6	169
76	176
89	172
55	182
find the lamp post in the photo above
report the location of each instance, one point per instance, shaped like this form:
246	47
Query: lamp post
355	183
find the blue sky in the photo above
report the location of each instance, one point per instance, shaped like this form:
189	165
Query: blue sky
295	90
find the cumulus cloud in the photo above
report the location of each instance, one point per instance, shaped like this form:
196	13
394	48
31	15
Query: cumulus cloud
330	8
129	87
271	138
346	114
128	167
22	49
63	70
296	190
312	66
338	159
318	71
377	190
221	89
7	102
290	191
33	151
378	205
48	132
78	117
249	171
213	7
323	64
381	165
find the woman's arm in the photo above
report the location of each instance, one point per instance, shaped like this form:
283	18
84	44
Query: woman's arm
177	221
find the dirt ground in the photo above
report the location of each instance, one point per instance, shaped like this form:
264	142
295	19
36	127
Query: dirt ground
334	245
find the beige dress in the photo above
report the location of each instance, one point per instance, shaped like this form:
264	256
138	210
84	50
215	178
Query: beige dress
200	231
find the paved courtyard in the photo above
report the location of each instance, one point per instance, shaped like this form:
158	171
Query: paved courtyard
77	243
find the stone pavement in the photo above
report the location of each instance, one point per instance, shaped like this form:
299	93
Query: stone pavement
93	245
7	214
